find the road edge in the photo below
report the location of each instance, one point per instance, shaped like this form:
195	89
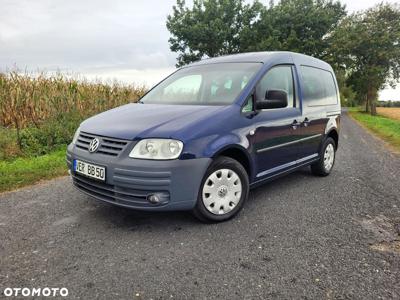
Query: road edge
37	183
384	143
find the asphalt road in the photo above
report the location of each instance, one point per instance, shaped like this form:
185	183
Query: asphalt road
299	237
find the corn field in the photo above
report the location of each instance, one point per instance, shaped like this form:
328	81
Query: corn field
27	100
40	113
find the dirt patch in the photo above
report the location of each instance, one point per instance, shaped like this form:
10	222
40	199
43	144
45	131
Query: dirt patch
389	112
386	232
393	246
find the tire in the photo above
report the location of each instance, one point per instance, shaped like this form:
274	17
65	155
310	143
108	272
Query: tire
324	165
221	198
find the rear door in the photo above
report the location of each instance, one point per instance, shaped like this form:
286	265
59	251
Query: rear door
277	130
319	92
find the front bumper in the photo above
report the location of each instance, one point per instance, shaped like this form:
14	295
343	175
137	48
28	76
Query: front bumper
129	181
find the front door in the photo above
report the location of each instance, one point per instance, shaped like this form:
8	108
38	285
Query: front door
277	131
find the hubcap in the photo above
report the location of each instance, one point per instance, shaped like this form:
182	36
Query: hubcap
329	157
222	191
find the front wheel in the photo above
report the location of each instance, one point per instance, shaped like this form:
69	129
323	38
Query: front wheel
324	165
224	189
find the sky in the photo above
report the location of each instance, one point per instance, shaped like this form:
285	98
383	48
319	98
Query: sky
124	40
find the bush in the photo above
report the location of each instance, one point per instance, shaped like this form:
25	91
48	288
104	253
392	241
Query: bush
50	136
34	140
9	148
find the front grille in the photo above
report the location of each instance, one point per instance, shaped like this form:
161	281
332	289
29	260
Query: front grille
115	194
108	146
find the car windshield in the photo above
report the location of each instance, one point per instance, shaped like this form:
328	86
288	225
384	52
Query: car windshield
211	84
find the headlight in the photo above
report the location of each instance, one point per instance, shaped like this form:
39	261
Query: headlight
76	135
157	149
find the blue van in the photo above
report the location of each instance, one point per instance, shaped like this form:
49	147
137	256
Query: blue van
205	135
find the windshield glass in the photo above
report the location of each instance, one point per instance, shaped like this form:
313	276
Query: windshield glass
213	84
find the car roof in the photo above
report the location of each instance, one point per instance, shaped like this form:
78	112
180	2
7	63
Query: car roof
266	57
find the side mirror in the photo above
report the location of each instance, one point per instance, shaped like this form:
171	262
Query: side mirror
273	99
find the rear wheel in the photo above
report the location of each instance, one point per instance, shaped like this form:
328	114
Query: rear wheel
224	189
324	165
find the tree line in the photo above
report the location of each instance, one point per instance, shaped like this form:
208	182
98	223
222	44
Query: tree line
362	47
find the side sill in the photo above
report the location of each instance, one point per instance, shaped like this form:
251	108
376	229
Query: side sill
280	174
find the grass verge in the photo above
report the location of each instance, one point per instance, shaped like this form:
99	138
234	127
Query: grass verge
25	171
385	128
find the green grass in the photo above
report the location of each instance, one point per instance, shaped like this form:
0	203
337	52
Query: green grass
353	109
386	128
24	171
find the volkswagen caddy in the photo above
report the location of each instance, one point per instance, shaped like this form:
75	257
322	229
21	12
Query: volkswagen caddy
205	135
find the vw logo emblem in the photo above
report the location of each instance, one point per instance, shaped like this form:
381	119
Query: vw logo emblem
94	144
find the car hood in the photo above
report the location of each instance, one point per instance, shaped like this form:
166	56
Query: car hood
146	120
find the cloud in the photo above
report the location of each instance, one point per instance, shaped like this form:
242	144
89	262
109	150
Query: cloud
84	34
122	39
146	77
390	94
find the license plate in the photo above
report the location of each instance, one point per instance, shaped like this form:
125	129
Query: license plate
90	170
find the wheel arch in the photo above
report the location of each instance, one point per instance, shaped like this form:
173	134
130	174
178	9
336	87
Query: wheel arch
333	133
239	154
332	129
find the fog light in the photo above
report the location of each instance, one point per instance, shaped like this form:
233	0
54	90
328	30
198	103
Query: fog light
159	198
153	199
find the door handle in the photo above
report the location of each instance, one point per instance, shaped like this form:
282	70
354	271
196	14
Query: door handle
306	122
295	124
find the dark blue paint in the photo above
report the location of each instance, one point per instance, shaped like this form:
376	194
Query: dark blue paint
207	131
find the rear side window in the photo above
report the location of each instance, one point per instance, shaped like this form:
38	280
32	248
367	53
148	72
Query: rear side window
318	87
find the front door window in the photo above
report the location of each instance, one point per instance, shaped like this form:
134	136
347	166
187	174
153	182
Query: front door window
278	78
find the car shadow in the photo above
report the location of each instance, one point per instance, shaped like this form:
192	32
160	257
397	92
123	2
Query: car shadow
133	219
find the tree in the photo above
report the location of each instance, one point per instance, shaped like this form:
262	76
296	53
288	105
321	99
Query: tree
210	28
299	25
217	27
368	44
